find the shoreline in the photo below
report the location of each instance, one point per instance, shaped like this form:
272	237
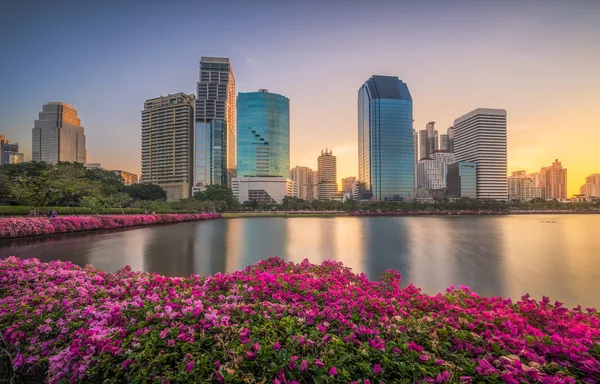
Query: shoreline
239	215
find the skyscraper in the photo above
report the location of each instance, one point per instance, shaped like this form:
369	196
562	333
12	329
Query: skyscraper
167	130
591	188
385	138
327	173
444	142
450	133
58	135
347	183
522	187
214	130
462	180
307	181
480	136
432	171
554	181
263	134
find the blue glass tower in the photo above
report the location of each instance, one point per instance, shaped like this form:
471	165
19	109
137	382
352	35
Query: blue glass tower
385	139
263	134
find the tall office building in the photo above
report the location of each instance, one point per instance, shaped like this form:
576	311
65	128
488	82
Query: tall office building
347	183
480	136
58	135
306	179
444	142
385	139
462	180
553	181
9	152
128	177
167	131
432	172
591	188
214	129
523	187
263	134
327	173
450	133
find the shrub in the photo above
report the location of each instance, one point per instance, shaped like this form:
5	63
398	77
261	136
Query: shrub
282	323
13	211
27	226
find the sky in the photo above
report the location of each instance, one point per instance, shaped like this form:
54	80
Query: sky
539	60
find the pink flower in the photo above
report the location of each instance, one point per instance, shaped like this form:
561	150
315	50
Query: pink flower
319	363
277	346
424	357
377	369
304	366
189	366
250	355
332	371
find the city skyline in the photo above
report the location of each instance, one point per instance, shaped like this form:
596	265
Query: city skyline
517	68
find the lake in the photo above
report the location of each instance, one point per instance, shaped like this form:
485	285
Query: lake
552	255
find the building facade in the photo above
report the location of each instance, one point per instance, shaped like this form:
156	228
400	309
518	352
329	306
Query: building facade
306	180
58	135
9	152
523	187
462	180
270	190
167	133
591	188
443	142
480	137
128	177
450	133
327	175
553	180
214	124
263	134
347	183
385	139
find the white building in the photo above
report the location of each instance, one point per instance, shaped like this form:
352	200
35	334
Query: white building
327	174
265	189
480	136
430	174
523	187
58	135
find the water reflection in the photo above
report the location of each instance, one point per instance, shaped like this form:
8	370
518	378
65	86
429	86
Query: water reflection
506	256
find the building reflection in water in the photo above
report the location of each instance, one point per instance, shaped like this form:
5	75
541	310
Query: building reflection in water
210	247
387	245
170	249
254	239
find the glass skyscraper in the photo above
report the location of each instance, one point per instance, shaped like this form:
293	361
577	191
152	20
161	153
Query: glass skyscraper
385	139
214	130
263	134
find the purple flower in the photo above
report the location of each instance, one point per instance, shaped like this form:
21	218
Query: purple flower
277	346
377	369
304	366
319	363
424	357
332	371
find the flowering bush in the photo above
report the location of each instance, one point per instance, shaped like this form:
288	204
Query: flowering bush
26	226
281	322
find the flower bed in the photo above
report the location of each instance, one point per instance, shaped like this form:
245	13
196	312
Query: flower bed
278	322
26	226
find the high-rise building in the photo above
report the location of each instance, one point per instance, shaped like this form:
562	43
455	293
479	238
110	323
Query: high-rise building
591	188
128	177
214	129
167	132
432	171
327	173
450	133
263	134
58	135
306	179
385	139
347	183
432	138
523	187
9	152
553	181
480	137
462	180
444	142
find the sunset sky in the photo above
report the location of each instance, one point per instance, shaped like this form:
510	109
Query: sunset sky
539	60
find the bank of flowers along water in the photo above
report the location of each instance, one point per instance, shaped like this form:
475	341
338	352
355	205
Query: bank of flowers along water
31	226
278	322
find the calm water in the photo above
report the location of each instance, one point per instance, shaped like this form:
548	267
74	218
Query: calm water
507	256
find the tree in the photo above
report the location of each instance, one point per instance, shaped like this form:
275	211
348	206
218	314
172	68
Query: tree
110	182
215	192
118	200
92	203
146	191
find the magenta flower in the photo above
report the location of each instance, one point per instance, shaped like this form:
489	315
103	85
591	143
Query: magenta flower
304	366
250	355
319	363
377	369
277	346
332	371
424	357
189	366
